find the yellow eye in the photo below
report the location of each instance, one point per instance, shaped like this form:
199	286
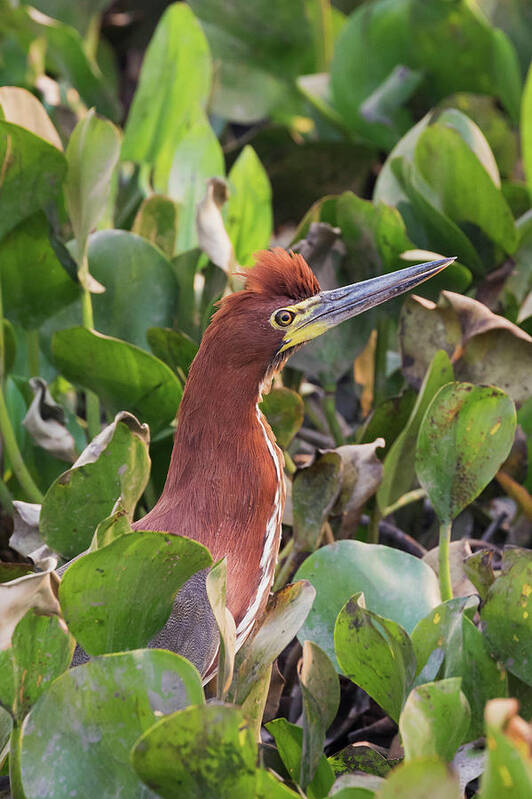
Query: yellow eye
283	317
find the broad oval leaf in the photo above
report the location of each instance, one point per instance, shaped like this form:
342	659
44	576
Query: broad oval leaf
119	596
506	614
284	411
123	376
434	720
31	173
420	779
395	585
199	752
116	464
81	730
376	654
249	209
466	434
314	492
156	221
41	649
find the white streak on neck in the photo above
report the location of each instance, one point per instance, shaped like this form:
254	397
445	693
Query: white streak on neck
268	559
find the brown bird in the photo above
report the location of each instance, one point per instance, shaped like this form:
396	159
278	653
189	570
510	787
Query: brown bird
225	484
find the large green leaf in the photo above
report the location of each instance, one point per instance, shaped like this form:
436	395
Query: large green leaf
115	465
506	614
201	753
420	779
31	173
434	720
156	221
92	154
141	289
374	51
433	635
526	129
238	33
81	730
399	465
314	492
465	191
466	434
123	376
40	651
396	585
376	654
289	741
174	79
34	284
121	595
174	348
249	210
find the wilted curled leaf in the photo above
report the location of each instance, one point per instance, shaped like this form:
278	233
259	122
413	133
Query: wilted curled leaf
314	492
45	422
26	537
212	235
30	591
484	347
361	476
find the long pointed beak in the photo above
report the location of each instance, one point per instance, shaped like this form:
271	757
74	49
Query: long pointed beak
329	308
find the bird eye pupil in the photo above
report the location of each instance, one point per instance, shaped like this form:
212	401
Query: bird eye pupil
284	318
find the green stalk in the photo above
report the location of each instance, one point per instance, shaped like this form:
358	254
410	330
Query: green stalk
15	779
381	348
6	429
91	399
444	565
329	409
406	499
373	529
323	32
32	338
6	500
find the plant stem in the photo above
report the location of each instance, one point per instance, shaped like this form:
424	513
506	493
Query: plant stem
91	400
6	429
406	499
15	779
6	500
329	409
290	466
381	348
373	529
284	571
15	458
444	566
324	35
33	352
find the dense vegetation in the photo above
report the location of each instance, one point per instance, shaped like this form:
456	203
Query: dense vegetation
391	131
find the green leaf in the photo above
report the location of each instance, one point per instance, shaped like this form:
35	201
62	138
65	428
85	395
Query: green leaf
31	173
434	720
506	613
433	635
508	772
376	654
198	752
92	155
119	596
249	210
465	435
156	221
469	656
197	157
41	649
81	730
175	79
289	741
237	33
399	464
285	613
34	284
320	691
358	757
420	779
10	346
314	492
123	376
141	288
526	129
387	420
116	464
395	585
465	191
284	411
173	347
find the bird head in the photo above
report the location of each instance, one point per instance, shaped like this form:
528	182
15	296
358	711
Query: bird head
282	306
